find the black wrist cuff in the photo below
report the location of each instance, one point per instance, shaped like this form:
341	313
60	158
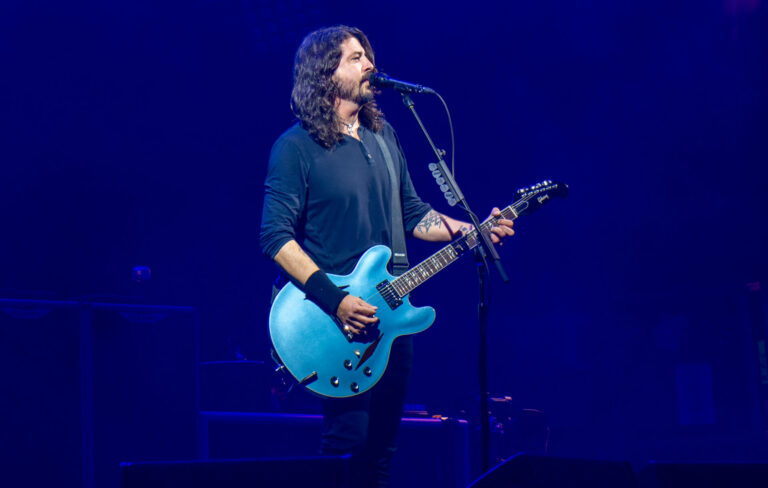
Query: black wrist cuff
321	290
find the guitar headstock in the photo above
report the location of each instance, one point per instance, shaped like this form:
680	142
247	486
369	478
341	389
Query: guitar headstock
537	195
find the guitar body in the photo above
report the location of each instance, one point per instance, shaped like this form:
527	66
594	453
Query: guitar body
312	346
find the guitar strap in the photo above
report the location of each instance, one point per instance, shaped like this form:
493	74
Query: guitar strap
399	255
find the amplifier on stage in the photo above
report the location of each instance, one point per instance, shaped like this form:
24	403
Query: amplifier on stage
90	384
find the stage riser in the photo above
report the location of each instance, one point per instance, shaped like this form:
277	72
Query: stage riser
431	452
704	475
530	471
327	472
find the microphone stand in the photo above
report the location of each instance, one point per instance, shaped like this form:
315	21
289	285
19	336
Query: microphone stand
483	253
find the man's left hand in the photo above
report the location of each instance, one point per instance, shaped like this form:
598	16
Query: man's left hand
502	229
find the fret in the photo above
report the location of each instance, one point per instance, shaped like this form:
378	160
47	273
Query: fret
424	270
401	290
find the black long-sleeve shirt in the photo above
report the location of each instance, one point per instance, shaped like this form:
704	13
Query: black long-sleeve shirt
334	202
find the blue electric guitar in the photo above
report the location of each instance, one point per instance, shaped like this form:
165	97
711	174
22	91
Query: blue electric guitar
313	346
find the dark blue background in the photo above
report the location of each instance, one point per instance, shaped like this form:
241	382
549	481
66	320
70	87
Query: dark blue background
137	133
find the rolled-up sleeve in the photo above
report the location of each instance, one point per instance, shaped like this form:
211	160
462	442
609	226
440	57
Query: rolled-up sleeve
284	197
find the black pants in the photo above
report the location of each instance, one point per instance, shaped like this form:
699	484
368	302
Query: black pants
365	426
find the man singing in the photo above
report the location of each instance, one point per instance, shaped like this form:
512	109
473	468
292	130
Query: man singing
328	198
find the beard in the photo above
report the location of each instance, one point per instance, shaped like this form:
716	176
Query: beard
355	92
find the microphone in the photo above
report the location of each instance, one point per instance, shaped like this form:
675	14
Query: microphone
383	81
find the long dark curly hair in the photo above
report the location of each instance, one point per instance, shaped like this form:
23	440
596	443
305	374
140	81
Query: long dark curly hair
314	91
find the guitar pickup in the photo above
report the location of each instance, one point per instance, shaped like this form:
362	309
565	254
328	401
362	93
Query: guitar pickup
389	294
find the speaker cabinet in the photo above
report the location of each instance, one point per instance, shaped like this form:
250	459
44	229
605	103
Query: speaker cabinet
144	386
88	385
41	393
529	471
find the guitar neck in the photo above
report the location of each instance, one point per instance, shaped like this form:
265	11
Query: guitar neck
408	281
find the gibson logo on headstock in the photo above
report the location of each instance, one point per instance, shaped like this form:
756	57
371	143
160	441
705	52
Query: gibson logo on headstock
542	198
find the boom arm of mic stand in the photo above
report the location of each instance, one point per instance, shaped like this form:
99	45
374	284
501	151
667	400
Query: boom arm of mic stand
485	241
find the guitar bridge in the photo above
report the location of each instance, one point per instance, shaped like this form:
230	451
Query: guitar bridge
389	294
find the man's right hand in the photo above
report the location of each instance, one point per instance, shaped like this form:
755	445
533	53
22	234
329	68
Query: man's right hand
356	315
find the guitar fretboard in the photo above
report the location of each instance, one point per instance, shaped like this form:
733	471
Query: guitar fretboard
408	281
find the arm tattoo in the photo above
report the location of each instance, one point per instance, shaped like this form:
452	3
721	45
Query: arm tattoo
431	219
